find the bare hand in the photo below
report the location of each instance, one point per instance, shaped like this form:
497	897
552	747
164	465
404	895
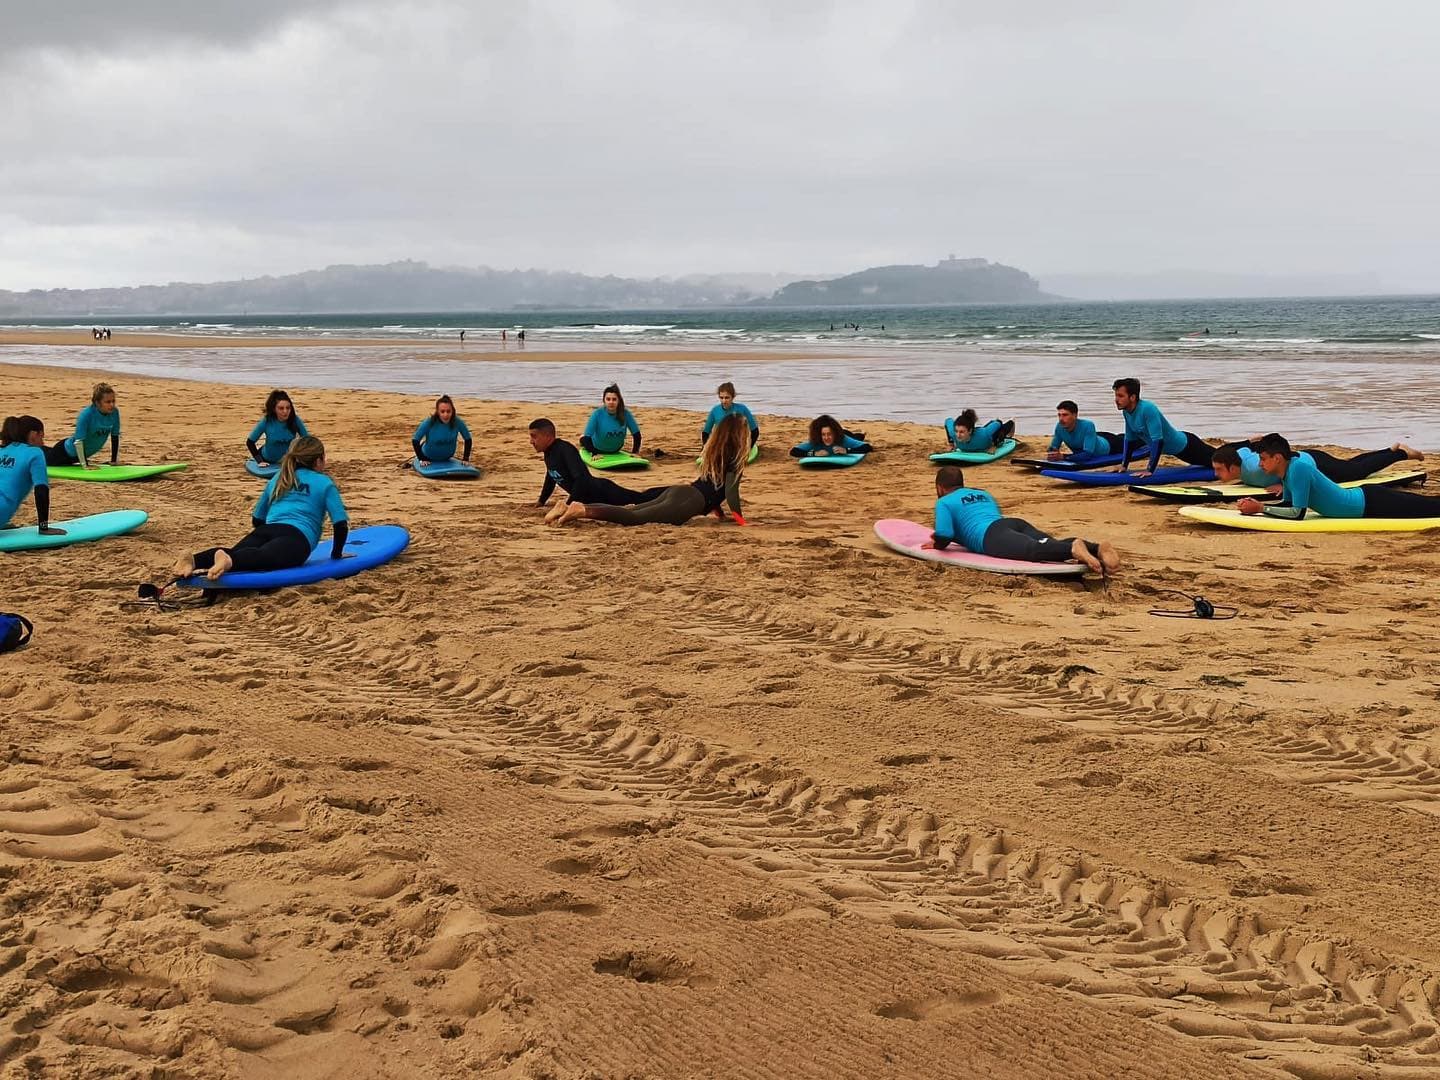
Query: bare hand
1143	474
1249	506
928	545
1275	489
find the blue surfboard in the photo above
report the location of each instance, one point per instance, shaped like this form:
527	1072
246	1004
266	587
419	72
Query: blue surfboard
254	468
452	469
1186	474
831	461
1080	462
365	548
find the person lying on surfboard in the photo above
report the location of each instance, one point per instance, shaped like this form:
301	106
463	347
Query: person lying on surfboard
435	438
1304	487
726	393
605	430
279	427
564	467
964	435
722	466
971	517
97	423
828	437
1079	436
22	470
1239	463
287	520
1145	425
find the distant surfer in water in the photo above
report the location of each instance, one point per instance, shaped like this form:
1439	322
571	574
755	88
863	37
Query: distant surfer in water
722	465
606	428
965	435
971	517
435	438
1304	488
1079	436
828	437
1146	425
287	520
279	426
1239	463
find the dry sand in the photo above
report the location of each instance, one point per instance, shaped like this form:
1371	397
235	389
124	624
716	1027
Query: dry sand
709	801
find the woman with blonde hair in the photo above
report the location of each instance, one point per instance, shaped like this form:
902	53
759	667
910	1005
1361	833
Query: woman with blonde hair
287	520
97	423
722	465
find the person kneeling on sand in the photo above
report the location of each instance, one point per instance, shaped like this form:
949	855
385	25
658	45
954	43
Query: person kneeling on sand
1304	487
287	520
722	464
971	517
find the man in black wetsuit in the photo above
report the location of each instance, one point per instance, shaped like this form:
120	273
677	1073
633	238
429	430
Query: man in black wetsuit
564	467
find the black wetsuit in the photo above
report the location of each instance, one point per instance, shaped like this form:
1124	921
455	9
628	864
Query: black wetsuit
1015	538
271	547
1343	470
564	467
677	504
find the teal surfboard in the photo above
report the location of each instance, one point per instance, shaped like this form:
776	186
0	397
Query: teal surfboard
831	461
77	531
254	468
112	474
974	457
619	461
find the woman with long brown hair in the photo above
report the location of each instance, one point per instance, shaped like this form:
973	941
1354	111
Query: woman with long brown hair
287	520
722	466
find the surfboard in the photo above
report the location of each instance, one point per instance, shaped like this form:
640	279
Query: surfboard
254	468
80	530
113	473
972	457
620	461
831	461
754	453
1185	474
1081	462
365	548
1232	492
453	469
906	537
1310	523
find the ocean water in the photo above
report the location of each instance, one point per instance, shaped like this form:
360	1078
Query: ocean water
1407	325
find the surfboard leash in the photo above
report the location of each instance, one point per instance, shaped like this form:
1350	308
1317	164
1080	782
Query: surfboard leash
1200	608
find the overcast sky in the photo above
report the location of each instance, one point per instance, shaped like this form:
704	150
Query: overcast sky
159	140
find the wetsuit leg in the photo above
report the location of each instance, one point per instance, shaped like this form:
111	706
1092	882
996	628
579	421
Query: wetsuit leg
1389	502
1357	467
675	506
270	547
1013	538
611	493
58	455
1197	451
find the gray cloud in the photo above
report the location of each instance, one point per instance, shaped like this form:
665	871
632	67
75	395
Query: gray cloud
665	138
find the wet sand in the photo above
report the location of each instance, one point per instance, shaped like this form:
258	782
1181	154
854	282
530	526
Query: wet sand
707	801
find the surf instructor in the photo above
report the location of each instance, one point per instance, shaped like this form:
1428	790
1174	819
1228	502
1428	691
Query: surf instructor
564	467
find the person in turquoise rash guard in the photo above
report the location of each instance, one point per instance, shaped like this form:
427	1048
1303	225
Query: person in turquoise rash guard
287	519
827	438
728	405
22	470
971	517
1239	463
1145	423
1079	436
435	438
965	435
1303	488
280	426
97	423
605	430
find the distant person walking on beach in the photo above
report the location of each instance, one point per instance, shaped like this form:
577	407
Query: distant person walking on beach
504	335
520	337
1145	425
462	337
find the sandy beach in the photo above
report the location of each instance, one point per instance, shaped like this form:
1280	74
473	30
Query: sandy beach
708	801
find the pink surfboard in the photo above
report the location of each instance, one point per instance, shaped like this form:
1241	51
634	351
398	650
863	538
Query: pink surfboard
906	538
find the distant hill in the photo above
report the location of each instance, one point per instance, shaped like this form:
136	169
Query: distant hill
951	281
392	287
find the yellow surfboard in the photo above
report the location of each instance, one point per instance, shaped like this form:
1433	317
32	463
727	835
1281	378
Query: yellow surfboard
1197	493
1310	523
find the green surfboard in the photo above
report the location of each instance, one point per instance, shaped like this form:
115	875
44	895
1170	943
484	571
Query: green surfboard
77	531
112	474
619	461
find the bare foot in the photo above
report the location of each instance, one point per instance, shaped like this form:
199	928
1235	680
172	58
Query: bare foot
1109	557
1409	451
552	516
1080	553
223	562
183	568
573	511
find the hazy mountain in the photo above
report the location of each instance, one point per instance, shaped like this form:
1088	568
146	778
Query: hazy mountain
950	281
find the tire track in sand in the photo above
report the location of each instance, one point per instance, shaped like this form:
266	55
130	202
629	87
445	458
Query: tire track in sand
1205	966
